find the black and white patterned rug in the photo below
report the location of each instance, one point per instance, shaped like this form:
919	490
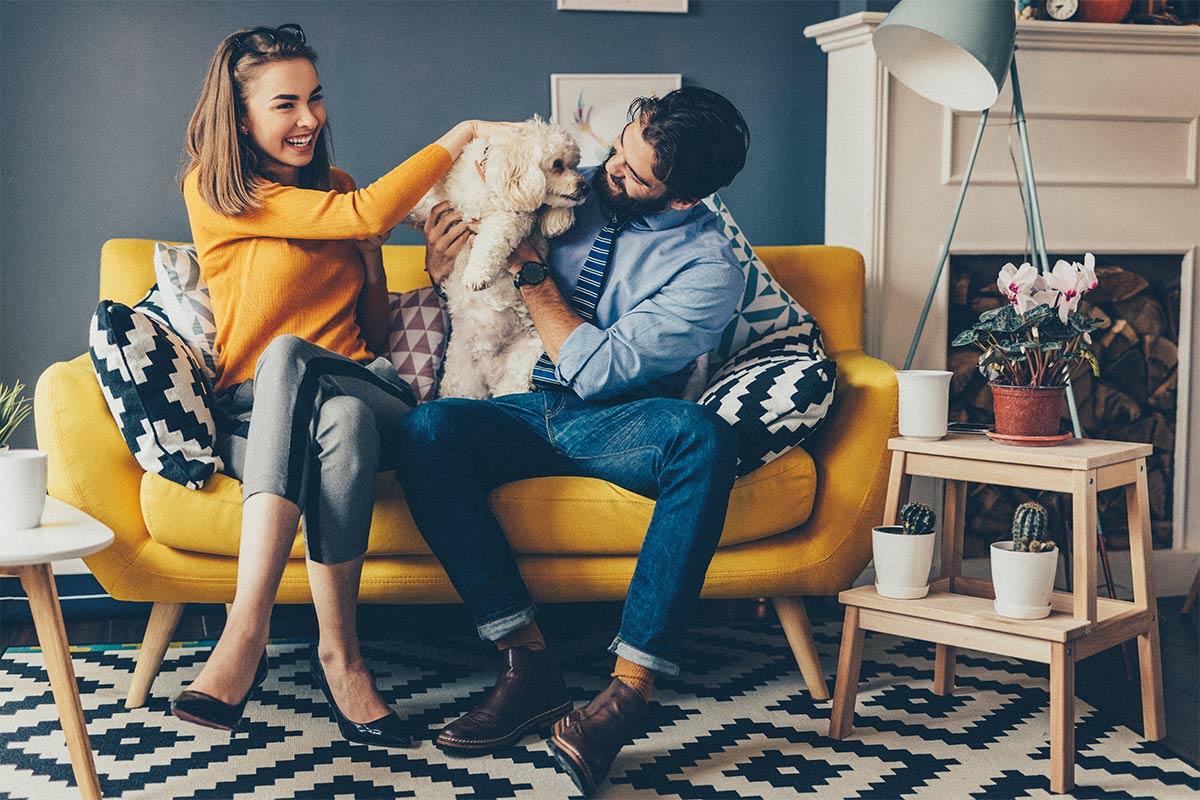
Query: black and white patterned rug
737	724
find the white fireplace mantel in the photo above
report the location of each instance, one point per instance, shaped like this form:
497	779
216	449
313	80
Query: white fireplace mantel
1114	112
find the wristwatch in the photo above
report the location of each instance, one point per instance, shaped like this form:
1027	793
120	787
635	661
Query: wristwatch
532	273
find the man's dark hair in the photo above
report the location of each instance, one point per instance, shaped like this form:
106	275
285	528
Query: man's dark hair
699	140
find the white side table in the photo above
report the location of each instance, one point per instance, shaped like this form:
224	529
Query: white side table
65	532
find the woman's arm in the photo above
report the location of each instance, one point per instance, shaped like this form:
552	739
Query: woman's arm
288	212
373	312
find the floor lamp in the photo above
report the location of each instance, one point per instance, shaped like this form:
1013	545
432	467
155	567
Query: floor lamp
958	54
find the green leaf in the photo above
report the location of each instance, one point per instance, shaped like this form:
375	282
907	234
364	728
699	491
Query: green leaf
969	336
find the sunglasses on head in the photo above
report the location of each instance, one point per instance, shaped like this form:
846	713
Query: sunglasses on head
251	40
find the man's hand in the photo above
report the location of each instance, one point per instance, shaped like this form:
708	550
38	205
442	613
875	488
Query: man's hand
445	234
373	243
523	253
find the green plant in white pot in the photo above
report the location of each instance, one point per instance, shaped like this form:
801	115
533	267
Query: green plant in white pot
904	553
1023	567
22	472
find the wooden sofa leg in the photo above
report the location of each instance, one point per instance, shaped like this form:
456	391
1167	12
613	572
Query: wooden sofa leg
164	618
799	634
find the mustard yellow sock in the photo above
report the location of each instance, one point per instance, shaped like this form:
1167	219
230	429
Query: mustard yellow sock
529	635
635	676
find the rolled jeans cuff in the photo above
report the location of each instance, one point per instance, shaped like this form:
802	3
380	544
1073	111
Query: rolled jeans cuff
630	653
502	626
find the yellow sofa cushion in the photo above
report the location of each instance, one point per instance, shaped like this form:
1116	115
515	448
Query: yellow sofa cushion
575	516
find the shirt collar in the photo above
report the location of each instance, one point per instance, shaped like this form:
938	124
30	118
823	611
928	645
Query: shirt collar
664	219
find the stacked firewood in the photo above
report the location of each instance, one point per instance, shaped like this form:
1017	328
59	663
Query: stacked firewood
1133	399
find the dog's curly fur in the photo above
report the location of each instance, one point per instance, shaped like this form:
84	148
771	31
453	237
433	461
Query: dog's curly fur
528	176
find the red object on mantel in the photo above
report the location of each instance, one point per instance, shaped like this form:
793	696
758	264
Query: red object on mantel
1103	10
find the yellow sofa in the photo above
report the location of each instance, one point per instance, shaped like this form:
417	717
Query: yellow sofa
797	526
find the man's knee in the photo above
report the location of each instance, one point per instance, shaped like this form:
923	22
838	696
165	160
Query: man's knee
437	425
697	429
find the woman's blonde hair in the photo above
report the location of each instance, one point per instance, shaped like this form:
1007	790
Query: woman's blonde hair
226	159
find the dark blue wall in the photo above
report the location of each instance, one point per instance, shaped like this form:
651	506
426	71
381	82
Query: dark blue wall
94	99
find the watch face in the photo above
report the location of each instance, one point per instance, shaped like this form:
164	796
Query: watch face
533	273
1062	9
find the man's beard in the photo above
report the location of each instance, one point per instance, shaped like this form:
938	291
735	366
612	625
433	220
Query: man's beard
618	201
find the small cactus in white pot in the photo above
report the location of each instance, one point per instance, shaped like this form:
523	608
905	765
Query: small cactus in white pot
22	472
1023	567
904	553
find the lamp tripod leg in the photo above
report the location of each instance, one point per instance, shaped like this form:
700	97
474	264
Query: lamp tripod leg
1040	244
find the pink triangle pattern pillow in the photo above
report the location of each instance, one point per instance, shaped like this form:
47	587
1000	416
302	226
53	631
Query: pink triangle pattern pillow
417	339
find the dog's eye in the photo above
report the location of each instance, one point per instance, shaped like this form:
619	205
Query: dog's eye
558	165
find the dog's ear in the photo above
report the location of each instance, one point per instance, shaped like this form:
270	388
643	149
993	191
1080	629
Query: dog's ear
514	171
556	221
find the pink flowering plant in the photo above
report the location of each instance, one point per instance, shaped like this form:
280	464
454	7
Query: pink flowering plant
1039	338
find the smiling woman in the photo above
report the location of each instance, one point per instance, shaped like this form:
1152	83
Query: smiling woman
290	252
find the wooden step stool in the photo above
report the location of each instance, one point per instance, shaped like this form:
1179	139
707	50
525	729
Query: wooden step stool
958	611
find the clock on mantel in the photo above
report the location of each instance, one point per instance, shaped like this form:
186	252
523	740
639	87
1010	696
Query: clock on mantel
1087	10
1062	10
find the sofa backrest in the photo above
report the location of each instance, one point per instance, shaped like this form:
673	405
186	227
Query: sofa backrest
826	280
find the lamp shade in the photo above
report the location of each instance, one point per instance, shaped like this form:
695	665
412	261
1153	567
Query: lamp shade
954	52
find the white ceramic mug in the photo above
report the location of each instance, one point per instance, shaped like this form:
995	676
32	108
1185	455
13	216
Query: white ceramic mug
924	403
22	489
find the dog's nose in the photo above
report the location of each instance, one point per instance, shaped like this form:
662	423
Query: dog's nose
582	191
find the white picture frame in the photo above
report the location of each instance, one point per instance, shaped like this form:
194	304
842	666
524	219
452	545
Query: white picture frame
594	107
655	6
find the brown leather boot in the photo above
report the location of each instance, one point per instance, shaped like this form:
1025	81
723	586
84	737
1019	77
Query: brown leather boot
529	693
586	742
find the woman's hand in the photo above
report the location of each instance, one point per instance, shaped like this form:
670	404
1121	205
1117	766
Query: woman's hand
445	234
373	243
464	132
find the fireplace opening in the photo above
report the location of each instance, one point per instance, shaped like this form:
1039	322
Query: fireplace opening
1133	399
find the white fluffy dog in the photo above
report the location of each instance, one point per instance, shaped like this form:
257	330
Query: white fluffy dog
519	184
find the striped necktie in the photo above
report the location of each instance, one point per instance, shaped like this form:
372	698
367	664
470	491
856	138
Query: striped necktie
586	295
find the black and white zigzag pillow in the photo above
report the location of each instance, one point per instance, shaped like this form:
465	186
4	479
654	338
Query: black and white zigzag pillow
775	393
156	391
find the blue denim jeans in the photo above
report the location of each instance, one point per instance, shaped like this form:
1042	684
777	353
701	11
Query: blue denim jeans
451	453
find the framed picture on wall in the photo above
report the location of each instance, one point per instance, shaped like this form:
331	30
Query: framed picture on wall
667	6
594	107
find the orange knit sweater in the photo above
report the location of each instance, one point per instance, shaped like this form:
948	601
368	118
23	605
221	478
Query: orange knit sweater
291	266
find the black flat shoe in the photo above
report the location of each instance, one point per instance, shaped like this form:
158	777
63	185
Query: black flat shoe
387	731
204	709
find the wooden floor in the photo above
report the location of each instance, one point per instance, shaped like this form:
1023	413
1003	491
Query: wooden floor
1100	680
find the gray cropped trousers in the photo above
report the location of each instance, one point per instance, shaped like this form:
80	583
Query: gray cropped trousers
309	428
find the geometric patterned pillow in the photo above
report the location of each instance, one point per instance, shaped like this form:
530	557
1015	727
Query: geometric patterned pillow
417	339
156	392
774	393
186	301
152	304
765	307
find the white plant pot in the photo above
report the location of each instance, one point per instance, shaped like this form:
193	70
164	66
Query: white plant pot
924	403
902	562
22	489
1023	581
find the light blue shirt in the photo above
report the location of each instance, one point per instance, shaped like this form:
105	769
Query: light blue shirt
673	284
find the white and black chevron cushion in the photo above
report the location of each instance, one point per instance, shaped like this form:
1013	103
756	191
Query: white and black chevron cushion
156	391
775	393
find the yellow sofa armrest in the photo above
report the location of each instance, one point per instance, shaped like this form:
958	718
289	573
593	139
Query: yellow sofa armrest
89	465
852	473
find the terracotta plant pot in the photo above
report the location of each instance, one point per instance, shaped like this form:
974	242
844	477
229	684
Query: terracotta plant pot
1028	410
